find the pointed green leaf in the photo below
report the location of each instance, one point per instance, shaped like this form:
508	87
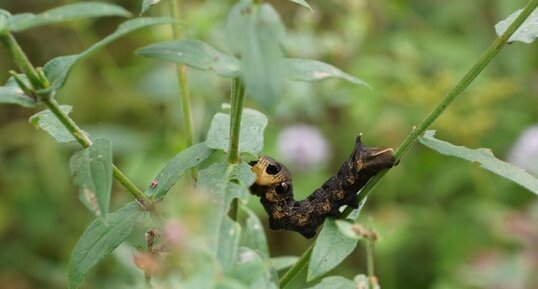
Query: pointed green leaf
48	122
254	33
330	249
194	53
335	282
147	4
65	13
485	158
175	168
283	262
92	172
302	3
57	70
250	136
253	235
15	95
527	32
313	70
99	240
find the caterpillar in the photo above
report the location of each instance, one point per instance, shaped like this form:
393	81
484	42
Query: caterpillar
274	187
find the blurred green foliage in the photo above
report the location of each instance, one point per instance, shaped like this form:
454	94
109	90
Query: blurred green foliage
444	223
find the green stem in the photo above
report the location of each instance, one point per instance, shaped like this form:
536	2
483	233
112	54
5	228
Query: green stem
21	60
84	141
182	77
294	271
68	122
238	98
467	79
237	101
140	197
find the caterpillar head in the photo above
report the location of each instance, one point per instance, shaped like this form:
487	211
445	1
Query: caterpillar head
270	176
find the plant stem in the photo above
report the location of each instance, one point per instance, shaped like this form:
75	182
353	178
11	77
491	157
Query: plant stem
173	7
294	271
84	141
467	79
237	100
68	122
20	58
140	197
22	61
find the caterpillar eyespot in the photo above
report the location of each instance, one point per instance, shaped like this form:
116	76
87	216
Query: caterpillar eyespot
274	187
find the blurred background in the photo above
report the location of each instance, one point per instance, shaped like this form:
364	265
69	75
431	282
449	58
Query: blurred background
444	223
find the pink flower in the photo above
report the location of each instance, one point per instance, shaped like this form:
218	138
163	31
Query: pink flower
303	146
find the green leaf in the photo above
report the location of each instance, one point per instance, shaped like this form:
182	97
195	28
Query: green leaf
221	180
254	33
485	158
147	4
302	3
219	177
229	283
526	33
253	270
5	16
330	249
346	228
175	168
228	243
48	122
254	236
250	266
335	282
92	172
14	95
57	70
354	215
253	124
313	70
283	262
21	22
99	240
194	53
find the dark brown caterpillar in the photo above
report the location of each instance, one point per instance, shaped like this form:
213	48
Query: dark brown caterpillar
274	187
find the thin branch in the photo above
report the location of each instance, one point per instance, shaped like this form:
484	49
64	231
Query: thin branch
181	71
22	61
238	98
